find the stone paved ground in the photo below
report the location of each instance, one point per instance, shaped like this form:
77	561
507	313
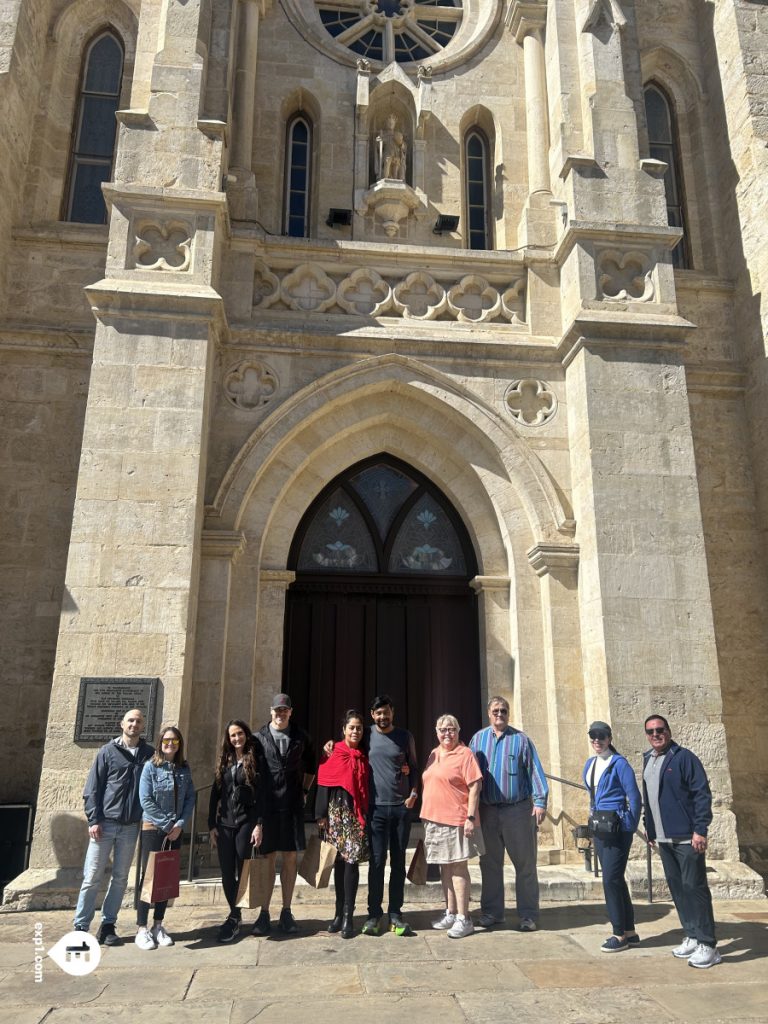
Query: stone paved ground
554	975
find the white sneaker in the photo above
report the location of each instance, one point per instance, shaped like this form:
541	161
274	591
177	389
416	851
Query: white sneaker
161	936
528	925
684	950
445	922
704	956
461	926
144	940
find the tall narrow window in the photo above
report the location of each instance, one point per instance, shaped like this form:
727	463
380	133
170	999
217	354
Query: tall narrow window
476	174
662	136
93	145
298	168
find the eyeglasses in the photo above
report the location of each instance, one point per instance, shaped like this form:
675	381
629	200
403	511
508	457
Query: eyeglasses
598	734
448	729
170	743
656	732
499	711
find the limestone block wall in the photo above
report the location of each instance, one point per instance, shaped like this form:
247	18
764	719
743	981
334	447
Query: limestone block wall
43	387
737	581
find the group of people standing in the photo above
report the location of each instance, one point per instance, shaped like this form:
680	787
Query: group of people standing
483	800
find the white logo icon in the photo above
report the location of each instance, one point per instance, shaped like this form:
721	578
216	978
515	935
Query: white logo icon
77	953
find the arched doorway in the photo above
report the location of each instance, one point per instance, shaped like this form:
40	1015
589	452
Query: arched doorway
381	603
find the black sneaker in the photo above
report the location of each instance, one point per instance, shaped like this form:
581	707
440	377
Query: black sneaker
229	930
287	922
399	926
372	926
107	936
262	925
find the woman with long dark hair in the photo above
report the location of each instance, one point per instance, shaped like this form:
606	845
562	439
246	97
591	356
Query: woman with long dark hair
236	812
167	797
613	789
341	810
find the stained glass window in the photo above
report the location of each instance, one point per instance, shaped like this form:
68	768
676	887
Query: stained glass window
379	517
387	30
95	128
427	542
662	138
338	539
383	489
476	172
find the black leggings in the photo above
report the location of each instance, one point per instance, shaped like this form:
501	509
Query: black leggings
151	840
345	878
233	846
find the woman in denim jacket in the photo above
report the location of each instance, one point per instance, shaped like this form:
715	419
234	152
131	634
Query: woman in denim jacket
167	796
613	787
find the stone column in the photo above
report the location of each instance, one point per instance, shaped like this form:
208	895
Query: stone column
133	568
241	187
646	617
557	567
497	671
221	550
526	20
270	632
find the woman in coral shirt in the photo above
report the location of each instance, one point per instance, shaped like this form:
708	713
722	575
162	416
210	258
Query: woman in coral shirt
451	784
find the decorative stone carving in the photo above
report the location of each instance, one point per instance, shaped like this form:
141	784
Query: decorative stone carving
609	11
391	153
530	401
166	246
364	292
419	297
266	286
250	385
308	288
625	276
513	302
473	300
391	202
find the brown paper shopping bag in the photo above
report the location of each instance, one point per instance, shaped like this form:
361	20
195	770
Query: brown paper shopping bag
161	879
417	870
317	863
256	882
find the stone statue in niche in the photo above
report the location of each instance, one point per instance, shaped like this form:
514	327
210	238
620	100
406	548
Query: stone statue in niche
391	154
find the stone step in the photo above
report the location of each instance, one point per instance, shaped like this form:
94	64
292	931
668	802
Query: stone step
39	889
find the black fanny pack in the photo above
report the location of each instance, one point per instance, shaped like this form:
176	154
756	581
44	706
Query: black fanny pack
604	823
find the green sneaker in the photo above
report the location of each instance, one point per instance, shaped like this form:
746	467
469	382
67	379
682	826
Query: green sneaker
399	926
372	926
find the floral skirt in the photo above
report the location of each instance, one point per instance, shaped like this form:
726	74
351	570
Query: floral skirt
346	833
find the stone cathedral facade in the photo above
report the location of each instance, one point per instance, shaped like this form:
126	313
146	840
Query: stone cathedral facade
414	346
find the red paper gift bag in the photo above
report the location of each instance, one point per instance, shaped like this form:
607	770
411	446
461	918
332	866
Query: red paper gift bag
161	879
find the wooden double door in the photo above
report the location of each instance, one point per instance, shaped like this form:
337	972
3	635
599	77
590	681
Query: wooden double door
350	639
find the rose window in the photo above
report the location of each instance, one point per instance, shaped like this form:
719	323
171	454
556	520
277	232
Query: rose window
387	30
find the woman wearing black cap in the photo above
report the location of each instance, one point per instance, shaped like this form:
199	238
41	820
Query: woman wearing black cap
613	791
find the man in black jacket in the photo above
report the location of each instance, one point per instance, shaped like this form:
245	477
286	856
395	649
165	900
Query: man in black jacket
111	798
678	812
291	763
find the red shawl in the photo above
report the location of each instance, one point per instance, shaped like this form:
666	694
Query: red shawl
347	767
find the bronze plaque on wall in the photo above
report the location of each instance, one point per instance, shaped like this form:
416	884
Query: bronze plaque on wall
103	700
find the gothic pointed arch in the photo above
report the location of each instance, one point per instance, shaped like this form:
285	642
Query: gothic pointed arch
440	408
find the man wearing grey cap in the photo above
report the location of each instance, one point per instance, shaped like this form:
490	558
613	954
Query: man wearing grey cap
291	762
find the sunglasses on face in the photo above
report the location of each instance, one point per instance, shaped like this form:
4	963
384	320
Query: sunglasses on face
499	711
656	732
598	734
170	743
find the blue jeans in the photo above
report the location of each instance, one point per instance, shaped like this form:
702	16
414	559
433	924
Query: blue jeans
613	852
388	828
119	841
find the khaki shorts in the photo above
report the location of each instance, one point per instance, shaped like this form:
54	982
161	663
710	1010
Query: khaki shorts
447	844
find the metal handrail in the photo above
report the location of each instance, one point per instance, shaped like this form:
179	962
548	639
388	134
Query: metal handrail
193	835
648	846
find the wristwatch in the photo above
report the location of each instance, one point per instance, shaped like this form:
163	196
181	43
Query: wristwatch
471	817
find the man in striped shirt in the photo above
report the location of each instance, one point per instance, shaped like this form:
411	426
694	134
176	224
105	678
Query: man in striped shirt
513	803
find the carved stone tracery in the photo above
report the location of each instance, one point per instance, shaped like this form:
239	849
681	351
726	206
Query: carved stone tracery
163	246
250	384
625	276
